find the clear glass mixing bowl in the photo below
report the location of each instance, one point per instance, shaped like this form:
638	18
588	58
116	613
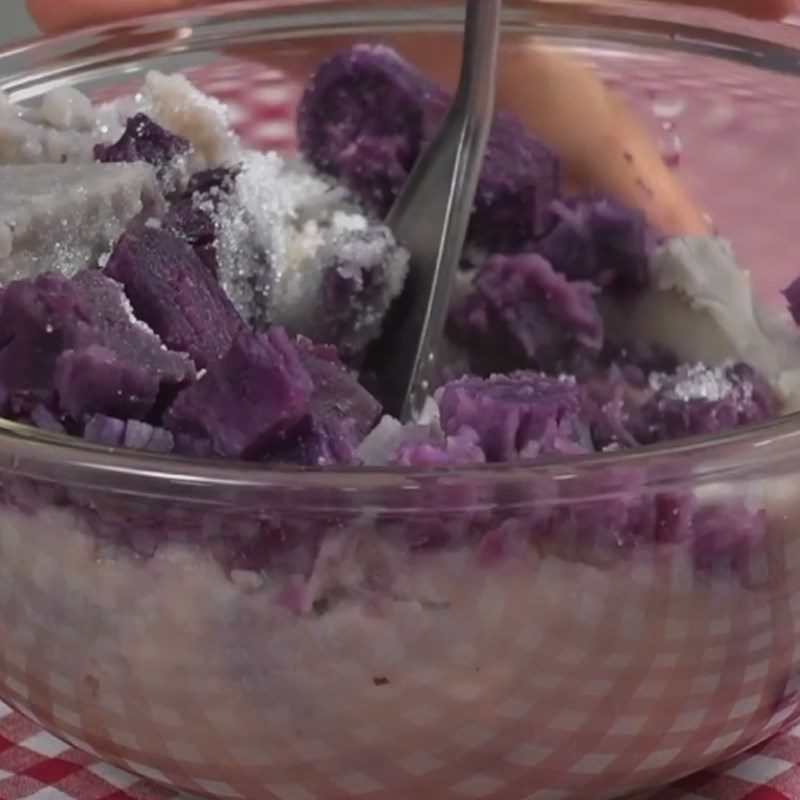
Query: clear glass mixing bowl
307	635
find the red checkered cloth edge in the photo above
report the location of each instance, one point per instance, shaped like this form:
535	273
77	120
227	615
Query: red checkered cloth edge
37	766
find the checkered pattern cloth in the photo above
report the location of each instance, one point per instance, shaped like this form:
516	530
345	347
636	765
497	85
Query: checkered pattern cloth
37	766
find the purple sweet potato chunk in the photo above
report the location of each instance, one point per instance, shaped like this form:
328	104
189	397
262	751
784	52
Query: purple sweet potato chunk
341	412
792	295
174	292
700	401
363	273
367	116
76	338
189	217
673	516
521	178
144	140
598	239
693	401
95	377
132	434
140	370
248	399
462	449
523	309
524	414
363	119
195	227
211	184
620	410
39	319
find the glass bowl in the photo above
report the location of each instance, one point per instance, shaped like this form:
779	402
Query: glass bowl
564	630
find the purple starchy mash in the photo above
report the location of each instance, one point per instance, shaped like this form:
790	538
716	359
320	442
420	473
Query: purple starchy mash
248	399
523	309
340	412
174	292
144	140
792	294
368	114
598	239
77	337
131	433
524	414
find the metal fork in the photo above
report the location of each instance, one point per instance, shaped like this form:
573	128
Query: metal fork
431	216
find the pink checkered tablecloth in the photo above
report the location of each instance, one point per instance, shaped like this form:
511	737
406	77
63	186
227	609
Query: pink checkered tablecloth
36	766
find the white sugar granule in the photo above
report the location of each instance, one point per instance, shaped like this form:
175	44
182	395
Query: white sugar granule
700	382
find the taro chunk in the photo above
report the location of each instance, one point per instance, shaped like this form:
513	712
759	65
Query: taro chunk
599	240
294	251
368	115
185	111
248	400
341	413
523	311
524	414
174	292
144	140
347	287
63	217
65	128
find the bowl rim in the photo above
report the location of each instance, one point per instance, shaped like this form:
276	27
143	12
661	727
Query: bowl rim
41	454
